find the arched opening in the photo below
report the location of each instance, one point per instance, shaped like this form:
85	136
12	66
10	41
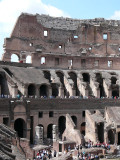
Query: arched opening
14	58
86	77
73	76
20	127
99	79
118	138
74	118
49	131
82	129
113	80
47	75
31	90
100	129
111	136
43	90
62	125
54	89
40	125
61	77
29	59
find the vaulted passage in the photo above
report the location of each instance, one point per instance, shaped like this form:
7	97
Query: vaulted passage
43	90
73	76
49	131
100	129
20	127
54	89
74	118
111	136
31	90
82	128
47	75
86	77
61	77
99	79
62	125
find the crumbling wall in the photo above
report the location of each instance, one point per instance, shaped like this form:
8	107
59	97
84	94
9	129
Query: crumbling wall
70	132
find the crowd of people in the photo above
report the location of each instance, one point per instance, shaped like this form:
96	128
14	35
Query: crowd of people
45	154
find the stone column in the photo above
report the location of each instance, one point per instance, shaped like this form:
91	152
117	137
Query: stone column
105	136
38	91
38	135
55	132
61	92
49	92
73	92
25	90
14	91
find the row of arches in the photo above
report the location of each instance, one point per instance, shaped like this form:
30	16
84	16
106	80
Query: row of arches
21	127
16	58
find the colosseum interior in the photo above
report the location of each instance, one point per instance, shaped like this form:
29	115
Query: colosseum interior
69	90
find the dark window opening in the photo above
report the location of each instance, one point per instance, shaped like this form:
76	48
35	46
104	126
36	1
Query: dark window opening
40	114
6	121
51	114
83	113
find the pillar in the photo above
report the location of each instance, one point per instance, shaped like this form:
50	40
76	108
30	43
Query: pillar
55	132
37	91
61	92
14	91
38	135
49	92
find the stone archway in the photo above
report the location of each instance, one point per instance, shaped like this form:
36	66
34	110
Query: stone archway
44	90
31	90
20	127
15	58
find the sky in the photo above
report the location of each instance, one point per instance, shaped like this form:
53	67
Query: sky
80	9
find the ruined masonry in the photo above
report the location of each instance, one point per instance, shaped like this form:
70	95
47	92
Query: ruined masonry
71	85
